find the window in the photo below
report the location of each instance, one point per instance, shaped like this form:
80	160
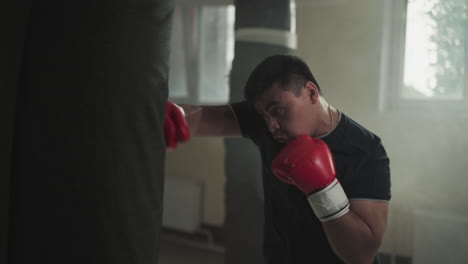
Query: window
202	49
424	55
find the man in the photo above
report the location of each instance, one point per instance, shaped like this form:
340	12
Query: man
313	156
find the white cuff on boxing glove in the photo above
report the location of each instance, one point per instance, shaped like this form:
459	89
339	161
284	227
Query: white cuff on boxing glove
180	108
329	203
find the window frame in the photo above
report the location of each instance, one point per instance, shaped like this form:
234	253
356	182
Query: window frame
392	70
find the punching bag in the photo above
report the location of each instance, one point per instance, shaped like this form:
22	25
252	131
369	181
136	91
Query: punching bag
262	28
87	152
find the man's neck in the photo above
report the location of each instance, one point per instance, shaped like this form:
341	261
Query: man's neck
327	118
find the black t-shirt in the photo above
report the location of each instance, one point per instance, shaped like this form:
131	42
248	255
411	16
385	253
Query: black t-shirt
293	234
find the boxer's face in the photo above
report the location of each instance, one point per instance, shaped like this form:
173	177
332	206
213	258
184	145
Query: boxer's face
286	114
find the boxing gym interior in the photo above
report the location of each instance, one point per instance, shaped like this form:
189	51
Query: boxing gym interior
396	67
358	52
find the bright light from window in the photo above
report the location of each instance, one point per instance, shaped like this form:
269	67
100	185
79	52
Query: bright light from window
418	58
202	50
435	49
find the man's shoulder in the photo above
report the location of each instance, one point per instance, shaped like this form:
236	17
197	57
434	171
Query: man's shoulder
358	135
365	153
250	122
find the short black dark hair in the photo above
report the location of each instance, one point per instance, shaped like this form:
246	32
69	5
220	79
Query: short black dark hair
289	71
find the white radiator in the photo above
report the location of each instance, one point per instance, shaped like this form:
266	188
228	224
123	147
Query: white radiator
440	238
182	204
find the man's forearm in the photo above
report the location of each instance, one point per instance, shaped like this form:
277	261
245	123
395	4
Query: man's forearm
211	120
193	114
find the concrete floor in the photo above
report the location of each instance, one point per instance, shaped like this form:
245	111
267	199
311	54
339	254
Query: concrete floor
176	250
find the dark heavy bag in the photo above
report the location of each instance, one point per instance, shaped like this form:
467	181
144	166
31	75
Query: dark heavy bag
88	147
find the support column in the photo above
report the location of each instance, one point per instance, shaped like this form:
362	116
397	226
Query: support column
263	28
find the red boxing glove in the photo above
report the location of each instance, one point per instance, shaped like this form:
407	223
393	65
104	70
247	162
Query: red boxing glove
308	163
175	126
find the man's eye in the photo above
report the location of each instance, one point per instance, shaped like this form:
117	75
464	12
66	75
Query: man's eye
277	111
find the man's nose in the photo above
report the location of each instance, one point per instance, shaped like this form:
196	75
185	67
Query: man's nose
272	125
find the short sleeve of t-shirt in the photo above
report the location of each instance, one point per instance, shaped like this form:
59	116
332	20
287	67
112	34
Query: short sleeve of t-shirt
362	164
251	124
372	180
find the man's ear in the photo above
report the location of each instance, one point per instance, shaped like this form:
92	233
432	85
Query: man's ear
312	92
